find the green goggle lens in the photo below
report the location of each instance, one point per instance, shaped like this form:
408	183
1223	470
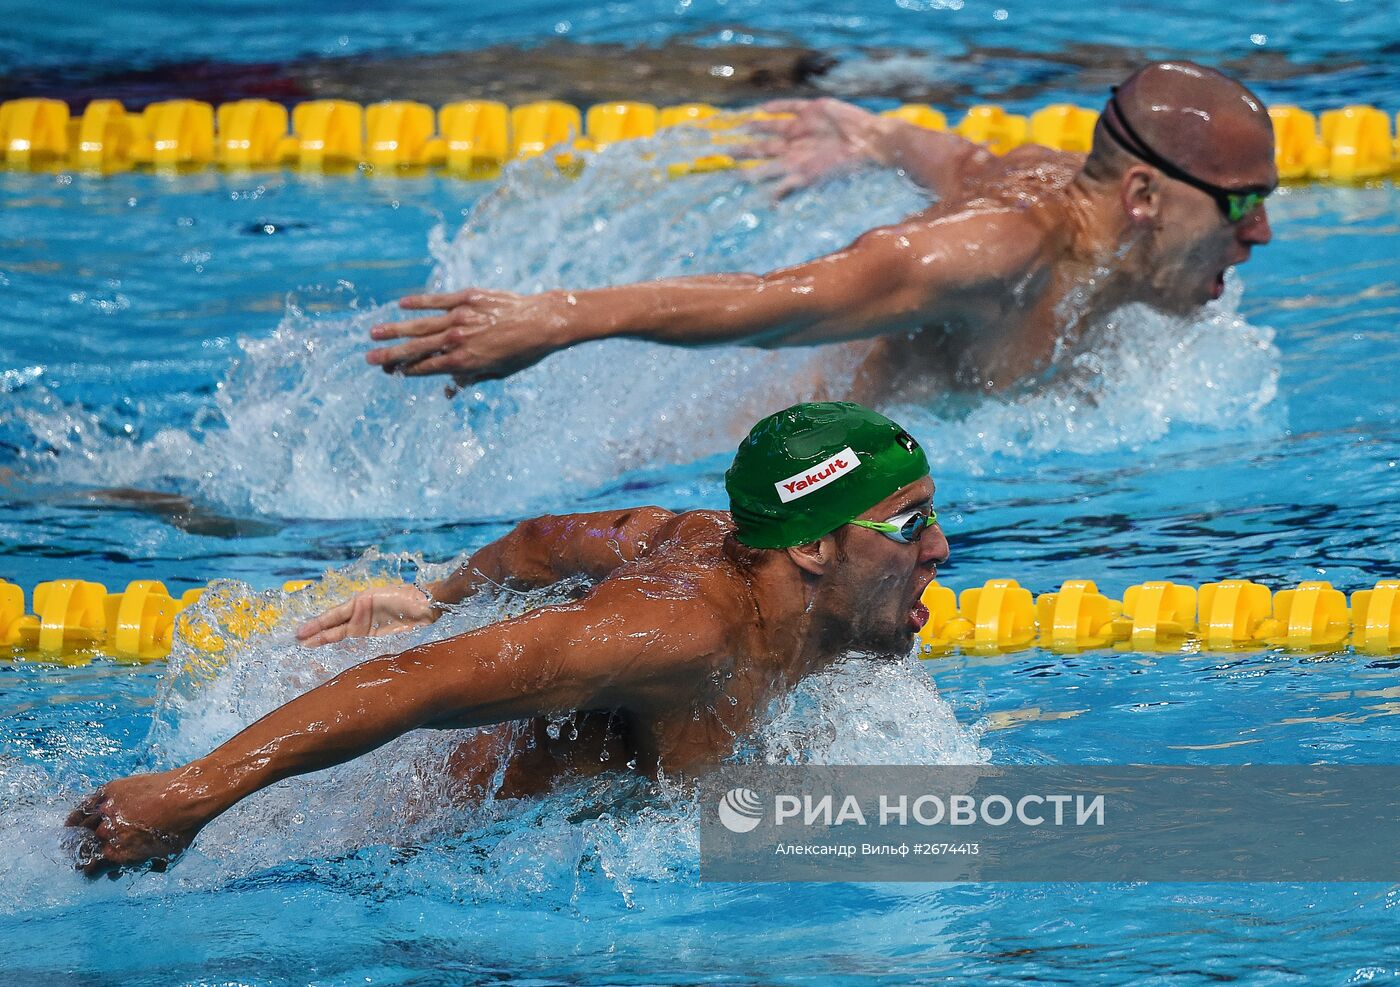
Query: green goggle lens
906	528
1240	205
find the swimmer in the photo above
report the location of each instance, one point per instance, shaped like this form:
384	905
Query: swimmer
696	622
1017	258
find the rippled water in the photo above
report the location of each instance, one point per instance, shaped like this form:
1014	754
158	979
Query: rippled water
204	336
1316	52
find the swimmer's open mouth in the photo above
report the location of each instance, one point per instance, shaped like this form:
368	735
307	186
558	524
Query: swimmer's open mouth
1218	288
918	616
918	613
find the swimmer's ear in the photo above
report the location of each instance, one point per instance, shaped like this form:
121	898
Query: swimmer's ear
815	556
1140	196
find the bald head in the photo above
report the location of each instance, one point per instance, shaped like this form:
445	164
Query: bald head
1196	118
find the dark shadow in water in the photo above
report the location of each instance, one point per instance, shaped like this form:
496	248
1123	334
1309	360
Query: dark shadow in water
175	509
679	70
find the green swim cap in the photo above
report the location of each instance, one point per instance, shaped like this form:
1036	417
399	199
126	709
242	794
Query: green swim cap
811	468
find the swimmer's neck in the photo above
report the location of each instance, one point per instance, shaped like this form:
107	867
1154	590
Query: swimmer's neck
1104	247
804	632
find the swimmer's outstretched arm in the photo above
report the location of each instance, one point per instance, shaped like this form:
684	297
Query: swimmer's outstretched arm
619	649
538	552
895	279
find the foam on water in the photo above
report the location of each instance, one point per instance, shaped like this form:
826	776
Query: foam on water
391	815
300	427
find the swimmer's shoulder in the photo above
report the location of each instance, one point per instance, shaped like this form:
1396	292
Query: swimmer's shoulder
692	528
981	244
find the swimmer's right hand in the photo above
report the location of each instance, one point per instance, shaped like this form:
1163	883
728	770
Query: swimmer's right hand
138	820
481	335
381	610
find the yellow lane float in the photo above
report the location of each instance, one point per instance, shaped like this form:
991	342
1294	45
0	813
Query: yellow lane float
474	139
73	620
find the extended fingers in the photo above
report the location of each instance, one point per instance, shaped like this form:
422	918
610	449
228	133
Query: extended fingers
312	632
87	814
790	184
762	149
785	105
410	327
439	300
361	617
781	128
404	355
442	363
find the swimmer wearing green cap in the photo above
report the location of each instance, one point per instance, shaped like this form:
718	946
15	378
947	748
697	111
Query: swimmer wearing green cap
694	624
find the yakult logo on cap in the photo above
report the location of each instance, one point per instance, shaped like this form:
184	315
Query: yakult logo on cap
810	480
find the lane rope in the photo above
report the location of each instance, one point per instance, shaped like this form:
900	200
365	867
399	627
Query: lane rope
474	139
75	620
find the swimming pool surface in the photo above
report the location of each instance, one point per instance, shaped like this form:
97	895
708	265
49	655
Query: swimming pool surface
203	335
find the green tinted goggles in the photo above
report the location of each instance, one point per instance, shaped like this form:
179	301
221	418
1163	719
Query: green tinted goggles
906	528
1236	205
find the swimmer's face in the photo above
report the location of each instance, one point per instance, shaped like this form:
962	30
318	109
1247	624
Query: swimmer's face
1194	241
877	582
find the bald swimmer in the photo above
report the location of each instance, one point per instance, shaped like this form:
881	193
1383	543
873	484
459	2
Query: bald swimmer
1019	255
695	623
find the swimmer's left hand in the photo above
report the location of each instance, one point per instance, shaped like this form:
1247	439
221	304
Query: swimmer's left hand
381	610
817	140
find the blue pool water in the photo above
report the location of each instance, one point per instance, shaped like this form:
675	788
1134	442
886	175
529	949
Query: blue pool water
203	335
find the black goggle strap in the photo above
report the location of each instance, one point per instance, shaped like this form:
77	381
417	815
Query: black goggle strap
1236	204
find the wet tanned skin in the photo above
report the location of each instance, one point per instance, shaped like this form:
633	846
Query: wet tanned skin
976	292
686	637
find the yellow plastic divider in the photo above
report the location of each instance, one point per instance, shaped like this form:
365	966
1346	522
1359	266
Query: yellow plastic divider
1002	615
1298	148
1064	127
329	134
104	137
1161	615
1233	613
474	139
11	613
1375	617
1358	142
536	127
1078	616
33	132
71	616
180	133
251	133
77	618
994	127
1312	616
920	115
686	113
398	135
608	123
477	136
140	621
